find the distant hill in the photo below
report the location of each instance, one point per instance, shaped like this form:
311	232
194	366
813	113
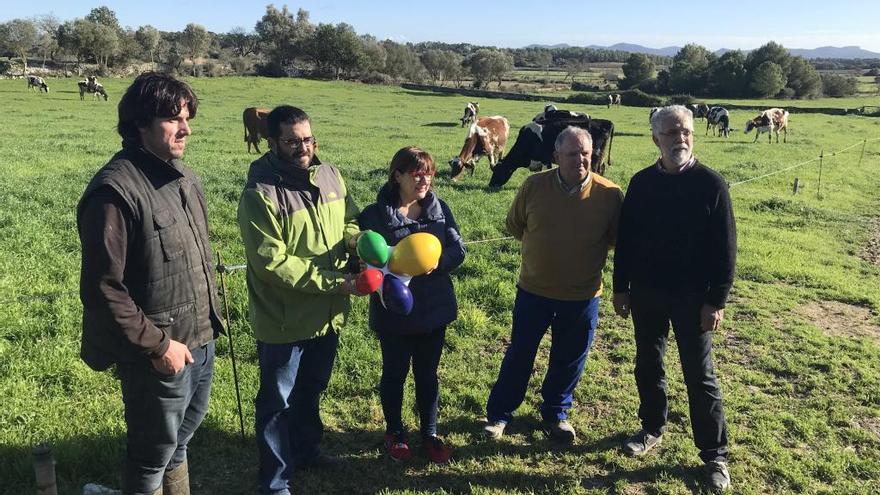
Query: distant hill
670	51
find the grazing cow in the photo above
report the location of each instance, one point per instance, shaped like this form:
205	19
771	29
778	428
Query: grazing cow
93	87
651	115
37	82
718	117
700	110
486	137
470	113
255	126
771	120
534	145
613	100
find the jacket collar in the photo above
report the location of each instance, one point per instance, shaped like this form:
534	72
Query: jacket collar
388	200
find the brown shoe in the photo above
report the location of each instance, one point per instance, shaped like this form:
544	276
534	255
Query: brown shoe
176	481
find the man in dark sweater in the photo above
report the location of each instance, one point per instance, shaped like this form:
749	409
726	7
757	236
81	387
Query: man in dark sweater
146	285
674	261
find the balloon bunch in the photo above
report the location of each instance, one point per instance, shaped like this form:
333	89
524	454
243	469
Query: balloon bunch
390	269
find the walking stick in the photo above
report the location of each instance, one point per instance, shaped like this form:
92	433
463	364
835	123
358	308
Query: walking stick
221	268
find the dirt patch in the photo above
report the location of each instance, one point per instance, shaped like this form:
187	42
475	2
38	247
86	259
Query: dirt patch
870	424
839	319
871	251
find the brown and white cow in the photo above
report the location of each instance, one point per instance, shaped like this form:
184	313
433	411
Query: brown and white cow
91	86
770	120
37	82
613	99
470	113
486	137
255	126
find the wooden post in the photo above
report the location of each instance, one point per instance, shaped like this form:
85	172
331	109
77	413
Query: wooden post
794	187
221	268
819	189
864	143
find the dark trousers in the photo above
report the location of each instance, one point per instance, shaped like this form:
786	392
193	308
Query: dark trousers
572	326
424	351
161	415
288	422
652	312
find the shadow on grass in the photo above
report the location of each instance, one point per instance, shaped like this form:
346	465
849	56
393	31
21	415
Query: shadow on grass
441	124
431	93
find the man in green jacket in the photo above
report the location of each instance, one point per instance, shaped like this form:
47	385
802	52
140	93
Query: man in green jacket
298	224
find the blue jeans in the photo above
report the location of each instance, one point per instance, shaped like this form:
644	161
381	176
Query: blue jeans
288	422
161	415
424	350
572	324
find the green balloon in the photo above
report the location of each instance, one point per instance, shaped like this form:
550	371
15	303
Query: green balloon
372	248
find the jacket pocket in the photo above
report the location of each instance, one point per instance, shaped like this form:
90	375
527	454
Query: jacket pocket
169	233
179	323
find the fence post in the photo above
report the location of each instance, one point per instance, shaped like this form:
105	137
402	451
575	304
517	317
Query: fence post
221	268
864	143
794	187
819	189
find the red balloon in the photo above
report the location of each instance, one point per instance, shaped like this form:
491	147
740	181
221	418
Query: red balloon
369	281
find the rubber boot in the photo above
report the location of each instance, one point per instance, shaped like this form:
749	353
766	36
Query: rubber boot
176	481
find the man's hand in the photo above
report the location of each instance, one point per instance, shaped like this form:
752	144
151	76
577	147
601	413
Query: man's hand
349	285
175	358
353	241
710	318
621	304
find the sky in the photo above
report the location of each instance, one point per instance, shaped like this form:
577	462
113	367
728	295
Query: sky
732	24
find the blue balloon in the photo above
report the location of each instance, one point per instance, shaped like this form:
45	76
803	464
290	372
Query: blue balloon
396	295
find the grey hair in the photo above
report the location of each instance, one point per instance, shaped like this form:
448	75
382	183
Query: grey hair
570	132
672	110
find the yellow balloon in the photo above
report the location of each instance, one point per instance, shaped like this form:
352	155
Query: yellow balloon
415	254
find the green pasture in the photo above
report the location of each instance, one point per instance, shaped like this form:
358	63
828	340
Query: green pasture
803	404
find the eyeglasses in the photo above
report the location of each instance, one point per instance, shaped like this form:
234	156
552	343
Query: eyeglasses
296	143
422	176
677	132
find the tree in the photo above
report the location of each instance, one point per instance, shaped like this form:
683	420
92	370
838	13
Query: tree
106	17
767	79
727	74
772	52
489	65
690	69
441	65
336	49
637	69
836	86
242	42
804	79
373	54
148	38
195	41
402	62
47	36
18	36
277	32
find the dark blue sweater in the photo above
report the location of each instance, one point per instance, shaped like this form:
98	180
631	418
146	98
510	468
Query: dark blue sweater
434	303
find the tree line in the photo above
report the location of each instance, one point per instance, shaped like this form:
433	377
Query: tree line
283	43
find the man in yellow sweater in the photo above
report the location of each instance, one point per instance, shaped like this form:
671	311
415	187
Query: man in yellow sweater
566	219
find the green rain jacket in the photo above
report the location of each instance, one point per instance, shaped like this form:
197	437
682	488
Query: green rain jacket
296	224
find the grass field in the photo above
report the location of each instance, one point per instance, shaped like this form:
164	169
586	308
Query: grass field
798	356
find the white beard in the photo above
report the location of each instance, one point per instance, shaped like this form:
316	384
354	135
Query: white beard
679	157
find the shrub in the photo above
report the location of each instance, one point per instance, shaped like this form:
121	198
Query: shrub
581	86
377	78
588	98
270	69
638	98
787	94
681	99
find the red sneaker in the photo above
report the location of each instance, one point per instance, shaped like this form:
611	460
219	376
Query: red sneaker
436	450
396	446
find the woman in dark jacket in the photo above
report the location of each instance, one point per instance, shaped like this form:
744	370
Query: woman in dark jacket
406	204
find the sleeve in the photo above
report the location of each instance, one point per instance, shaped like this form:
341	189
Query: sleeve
269	256
105	232
516	216
453	247
722	246
624	240
616	203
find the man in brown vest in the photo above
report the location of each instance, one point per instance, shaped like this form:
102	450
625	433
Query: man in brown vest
149	300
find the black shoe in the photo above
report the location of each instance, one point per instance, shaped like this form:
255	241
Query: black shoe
560	431
641	443
717	476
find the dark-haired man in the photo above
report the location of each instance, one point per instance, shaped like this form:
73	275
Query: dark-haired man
299	225
146	285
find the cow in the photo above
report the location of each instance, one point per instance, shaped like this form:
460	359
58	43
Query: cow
613	99
651	114
770	120
470	113
486	137
700	110
255	126
93	87
718	117
534	145
37	83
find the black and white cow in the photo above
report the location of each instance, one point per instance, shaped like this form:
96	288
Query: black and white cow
470	113
613	99
700	110
534	145
651	114
718	117
93	87
770	121
37	83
